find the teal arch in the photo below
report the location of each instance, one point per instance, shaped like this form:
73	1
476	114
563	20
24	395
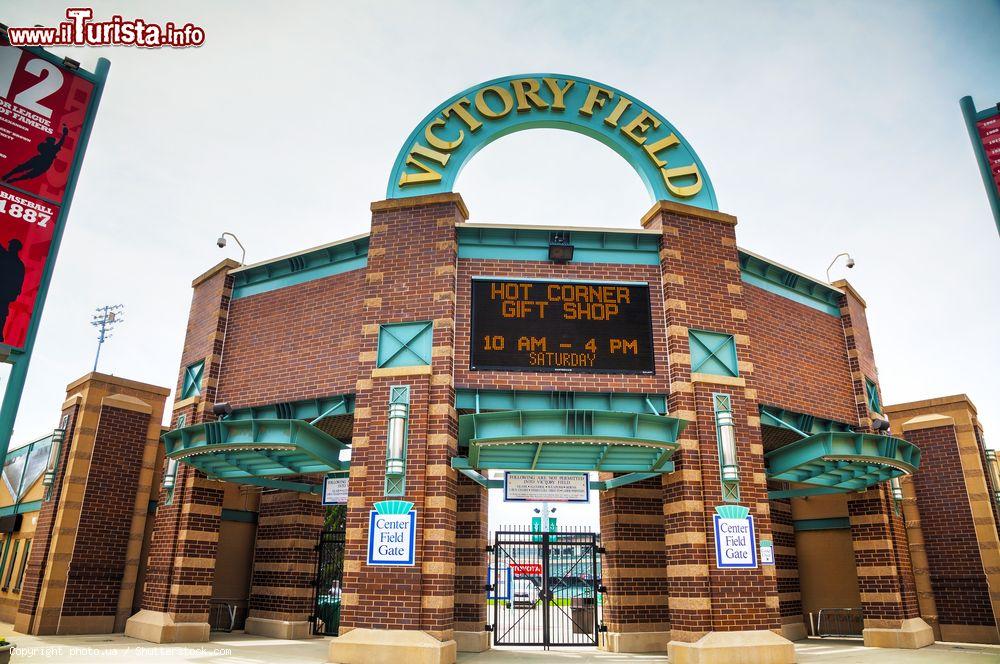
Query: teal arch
570	119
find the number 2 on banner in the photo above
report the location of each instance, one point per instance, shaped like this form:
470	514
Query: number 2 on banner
52	80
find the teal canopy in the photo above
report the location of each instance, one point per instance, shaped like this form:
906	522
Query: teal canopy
570	440
254	451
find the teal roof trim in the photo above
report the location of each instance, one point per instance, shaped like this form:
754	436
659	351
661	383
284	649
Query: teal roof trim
520	244
843	461
300	268
563	439
773	278
484	400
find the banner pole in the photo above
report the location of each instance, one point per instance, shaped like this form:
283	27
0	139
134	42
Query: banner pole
20	359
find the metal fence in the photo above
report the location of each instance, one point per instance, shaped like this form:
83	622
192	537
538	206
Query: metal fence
837	622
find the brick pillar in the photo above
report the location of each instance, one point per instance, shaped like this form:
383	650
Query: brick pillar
703	291
410	277
81	573
881	550
284	564
950	514
885	578
634	568
471	562
181	563
786	563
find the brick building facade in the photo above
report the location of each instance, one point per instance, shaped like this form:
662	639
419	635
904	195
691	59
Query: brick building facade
303	339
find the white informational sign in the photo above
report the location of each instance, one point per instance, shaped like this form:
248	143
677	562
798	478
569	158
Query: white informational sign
391	538
735	543
766	552
552	488
335	490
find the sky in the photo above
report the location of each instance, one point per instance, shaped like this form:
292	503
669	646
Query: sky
824	126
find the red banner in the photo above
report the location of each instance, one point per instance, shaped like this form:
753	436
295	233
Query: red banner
989	134
527	569
42	112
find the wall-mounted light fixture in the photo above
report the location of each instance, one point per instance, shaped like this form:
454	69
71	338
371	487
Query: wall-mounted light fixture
560	249
170	472
897	490
395	451
55	450
993	470
726	435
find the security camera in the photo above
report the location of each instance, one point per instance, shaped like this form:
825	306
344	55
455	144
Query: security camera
850	262
880	425
221	242
221	409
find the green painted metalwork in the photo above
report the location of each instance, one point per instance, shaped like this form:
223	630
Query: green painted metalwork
192	380
241	516
480	400
800	493
663	159
843	461
713	353
254	451
760	272
874	403
521	244
835	523
395	466
803	425
972	117
405	344
306	409
723	403
325	261
565	439
21	508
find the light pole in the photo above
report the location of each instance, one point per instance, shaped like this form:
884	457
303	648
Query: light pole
105	320
222	243
850	264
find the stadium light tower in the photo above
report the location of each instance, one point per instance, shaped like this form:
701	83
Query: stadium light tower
104	320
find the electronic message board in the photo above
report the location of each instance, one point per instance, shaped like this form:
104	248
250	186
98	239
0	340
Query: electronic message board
531	325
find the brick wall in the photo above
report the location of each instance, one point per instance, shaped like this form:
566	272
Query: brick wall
97	567
961	592
800	361
299	342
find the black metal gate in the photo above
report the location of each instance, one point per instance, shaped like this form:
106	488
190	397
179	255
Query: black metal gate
544	589
329	576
